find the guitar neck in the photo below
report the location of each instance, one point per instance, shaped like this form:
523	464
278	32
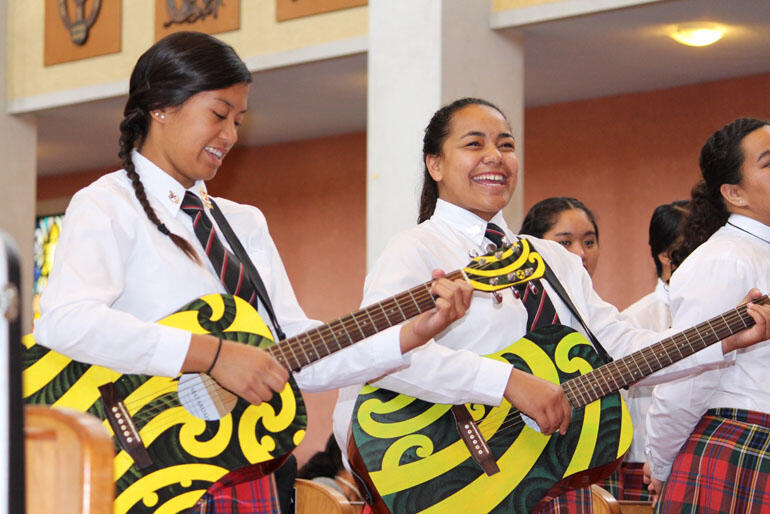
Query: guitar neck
300	350
620	373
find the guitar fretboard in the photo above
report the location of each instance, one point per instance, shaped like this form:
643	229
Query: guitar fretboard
622	372
303	349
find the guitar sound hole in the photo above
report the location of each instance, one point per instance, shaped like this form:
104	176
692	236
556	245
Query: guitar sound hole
204	398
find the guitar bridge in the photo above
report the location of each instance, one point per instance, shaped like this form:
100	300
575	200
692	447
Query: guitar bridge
123	426
473	439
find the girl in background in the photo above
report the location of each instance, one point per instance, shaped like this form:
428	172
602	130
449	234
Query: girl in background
568	222
709	435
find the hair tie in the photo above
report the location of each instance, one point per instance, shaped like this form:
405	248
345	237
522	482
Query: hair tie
163	229
216	356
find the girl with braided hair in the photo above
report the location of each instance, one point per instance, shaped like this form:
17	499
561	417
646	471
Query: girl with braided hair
708	436
130	254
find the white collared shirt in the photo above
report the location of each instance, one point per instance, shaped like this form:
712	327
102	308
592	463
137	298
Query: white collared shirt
451	369
115	274
712	280
651	312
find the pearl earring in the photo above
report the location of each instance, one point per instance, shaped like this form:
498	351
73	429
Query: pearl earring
160	115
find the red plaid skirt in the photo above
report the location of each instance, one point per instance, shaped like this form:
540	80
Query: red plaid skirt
579	501
723	467
244	494
627	482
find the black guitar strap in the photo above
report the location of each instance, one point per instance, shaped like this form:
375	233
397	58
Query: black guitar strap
251	271
550	276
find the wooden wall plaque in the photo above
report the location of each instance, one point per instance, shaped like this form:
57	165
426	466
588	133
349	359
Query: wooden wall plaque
72	34
290	9
209	16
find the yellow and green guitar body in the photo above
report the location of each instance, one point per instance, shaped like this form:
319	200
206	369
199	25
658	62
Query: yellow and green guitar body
188	453
414	457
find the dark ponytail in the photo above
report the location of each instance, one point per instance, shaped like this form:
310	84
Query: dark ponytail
721	159
432	142
665	229
166	75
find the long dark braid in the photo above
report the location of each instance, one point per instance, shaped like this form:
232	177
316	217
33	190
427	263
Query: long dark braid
721	159
166	75
133	128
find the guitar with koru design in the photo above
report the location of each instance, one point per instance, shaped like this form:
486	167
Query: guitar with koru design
175	437
410	456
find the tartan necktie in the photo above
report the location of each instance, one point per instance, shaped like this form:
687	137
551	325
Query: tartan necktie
227	266
540	309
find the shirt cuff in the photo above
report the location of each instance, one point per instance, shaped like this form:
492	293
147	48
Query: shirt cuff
657	470
387	349
491	381
171	349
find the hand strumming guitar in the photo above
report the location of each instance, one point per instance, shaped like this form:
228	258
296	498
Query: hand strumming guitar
543	401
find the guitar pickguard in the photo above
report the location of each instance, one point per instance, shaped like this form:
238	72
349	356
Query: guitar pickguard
189	454
417	462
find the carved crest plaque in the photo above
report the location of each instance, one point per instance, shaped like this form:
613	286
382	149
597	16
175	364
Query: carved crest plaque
210	16
77	29
290	9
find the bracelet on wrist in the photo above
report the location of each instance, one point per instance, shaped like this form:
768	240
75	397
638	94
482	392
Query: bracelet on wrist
216	356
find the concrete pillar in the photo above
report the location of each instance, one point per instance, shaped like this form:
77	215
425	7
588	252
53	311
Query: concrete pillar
18	155
422	55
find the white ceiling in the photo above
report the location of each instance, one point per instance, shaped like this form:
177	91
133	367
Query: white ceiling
589	56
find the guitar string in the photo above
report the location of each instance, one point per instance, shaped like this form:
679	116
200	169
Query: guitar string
601	372
596	374
349	323
200	387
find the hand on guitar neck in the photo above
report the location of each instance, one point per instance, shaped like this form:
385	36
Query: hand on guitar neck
453	297
759	332
255	375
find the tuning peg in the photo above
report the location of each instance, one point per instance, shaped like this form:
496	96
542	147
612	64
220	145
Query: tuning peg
497	297
494	281
491	247
473	253
499	254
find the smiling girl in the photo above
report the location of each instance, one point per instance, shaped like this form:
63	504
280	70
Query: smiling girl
469	176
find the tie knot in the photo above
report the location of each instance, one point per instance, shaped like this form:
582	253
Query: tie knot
495	234
191	203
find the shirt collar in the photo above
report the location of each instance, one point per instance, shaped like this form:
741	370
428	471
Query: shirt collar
471	225
165	188
751	225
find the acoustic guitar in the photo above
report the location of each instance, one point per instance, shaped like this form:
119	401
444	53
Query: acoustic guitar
175	437
411	457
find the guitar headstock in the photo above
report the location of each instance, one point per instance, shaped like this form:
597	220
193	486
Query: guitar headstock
508	266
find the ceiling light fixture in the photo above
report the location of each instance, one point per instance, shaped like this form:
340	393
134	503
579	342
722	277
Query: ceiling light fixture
697	33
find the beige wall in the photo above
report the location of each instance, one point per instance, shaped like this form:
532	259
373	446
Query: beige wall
259	34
